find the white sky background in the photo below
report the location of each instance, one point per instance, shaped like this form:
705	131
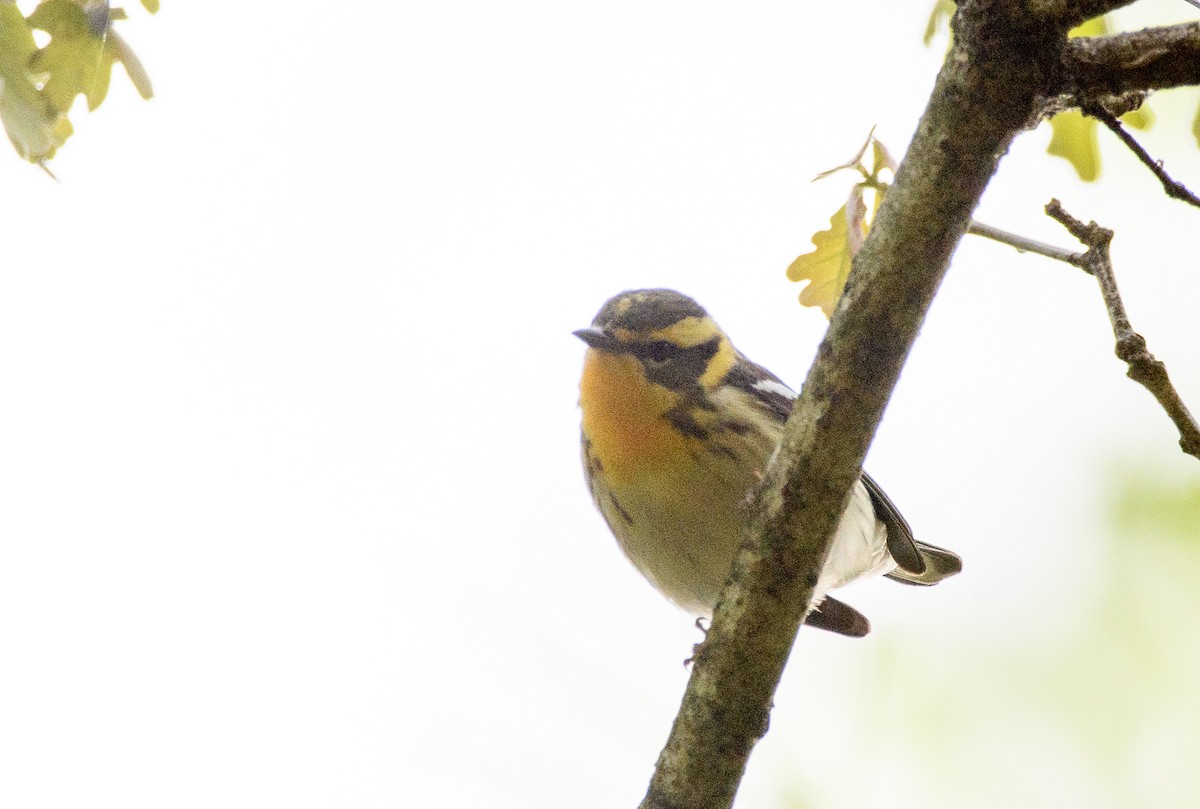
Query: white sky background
290	504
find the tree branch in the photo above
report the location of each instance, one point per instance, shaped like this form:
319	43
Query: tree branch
1007	67
1144	368
1172	187
987	91
1072	12
1150	59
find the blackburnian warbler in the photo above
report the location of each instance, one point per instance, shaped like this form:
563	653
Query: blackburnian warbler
677	427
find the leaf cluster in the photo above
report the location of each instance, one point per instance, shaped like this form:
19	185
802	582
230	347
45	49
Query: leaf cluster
38	86
1074	137
827	267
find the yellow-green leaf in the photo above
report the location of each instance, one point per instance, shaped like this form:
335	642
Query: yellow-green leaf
78	59
151	6
1074	139
1141	118
1196	126
1095	27
882	159
34	128
941	13
826	268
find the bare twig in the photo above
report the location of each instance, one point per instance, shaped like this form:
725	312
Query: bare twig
1144	368
1023	244
1173	188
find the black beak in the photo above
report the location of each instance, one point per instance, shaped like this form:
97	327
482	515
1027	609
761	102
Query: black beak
597	338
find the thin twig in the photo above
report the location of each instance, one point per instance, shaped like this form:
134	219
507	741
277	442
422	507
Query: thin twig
1144	368
1023	244
1172	187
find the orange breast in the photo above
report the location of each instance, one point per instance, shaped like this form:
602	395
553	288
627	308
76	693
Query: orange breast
623	417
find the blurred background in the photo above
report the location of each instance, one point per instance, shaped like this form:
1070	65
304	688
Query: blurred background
291	511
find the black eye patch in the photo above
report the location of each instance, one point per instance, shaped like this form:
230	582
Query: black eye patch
680	368
657	351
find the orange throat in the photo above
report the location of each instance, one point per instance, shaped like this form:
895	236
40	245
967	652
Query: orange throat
623	416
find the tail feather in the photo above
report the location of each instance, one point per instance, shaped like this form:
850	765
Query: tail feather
939	564
917	562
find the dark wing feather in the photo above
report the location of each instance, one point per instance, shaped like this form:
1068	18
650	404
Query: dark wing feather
901	544
919	563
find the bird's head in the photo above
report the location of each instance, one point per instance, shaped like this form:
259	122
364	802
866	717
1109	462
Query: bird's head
664	337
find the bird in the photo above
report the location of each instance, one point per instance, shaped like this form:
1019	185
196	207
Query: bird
677	428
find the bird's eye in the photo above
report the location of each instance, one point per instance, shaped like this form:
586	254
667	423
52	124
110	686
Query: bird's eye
659	351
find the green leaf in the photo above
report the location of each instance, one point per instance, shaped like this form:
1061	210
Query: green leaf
78	58
1095	27
1141	118
1196	126
1074	136
151	6
827	267
1075	140
882	159
38	86
940	14
34	127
